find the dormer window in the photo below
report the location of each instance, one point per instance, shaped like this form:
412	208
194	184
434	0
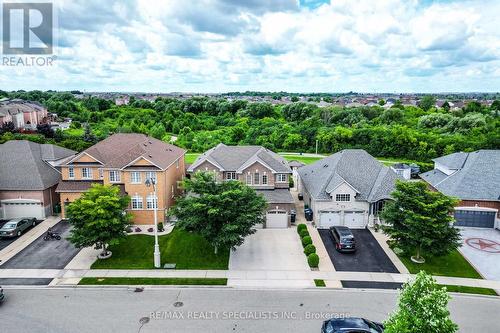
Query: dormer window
342	197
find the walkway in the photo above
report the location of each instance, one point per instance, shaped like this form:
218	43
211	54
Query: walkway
239	275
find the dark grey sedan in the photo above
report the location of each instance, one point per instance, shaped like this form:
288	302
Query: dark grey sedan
16	227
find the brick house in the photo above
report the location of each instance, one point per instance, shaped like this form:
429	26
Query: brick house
127	160
265	171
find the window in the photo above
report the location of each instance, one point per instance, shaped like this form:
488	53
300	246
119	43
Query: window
249	179
151	174
135	177
281	178
264	179
71	172
101	173
256	178
86	173
231	176
136	202
114	176
343	197
151	202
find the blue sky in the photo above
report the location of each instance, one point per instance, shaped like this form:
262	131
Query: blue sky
270	45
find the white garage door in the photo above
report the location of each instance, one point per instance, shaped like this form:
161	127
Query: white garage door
329	219
354	220
276	219
18	208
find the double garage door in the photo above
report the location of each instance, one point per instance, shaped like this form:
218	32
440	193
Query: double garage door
276	219
475	218
354	220
18	208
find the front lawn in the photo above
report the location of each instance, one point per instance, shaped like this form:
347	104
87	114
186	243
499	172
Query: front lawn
469	290
453	264
153	281
187	250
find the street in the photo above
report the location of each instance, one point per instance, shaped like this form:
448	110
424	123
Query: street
212	309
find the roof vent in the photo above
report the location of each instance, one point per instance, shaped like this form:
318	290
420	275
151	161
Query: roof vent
325	166
150	156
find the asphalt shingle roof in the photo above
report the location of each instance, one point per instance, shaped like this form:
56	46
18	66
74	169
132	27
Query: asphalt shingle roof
23	165
120	149
363	172
231	158
277	196
477	176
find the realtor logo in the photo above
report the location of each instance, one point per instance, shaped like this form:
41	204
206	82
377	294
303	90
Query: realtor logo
27	28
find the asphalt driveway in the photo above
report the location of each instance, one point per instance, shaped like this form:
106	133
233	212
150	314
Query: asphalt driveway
481	247
4	242
42	254
369	257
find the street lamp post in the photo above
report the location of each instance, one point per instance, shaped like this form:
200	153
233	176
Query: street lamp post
157	260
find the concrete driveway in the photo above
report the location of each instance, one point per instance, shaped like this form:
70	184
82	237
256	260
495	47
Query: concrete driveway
42	254
369	257
270	250
481	247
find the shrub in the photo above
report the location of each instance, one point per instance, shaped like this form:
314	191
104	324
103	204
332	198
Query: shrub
313	260
301	227
304	233
306	241
150	229
309	249
160	227
137	229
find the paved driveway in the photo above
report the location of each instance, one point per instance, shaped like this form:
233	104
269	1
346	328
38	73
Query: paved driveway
43	254
4	242
481	247
277	250
369	257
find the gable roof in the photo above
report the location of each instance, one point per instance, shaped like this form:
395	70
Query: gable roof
120	149
371	179
295	163
477	176
24	165
232	158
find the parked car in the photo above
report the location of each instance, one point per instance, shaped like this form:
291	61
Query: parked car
346	325
16	227
343	238
2	296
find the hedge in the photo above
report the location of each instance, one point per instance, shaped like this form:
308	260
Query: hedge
313	260
306	241
301	227
309	249
304	233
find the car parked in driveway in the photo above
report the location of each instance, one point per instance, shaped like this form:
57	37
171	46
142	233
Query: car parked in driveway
343	238
351	325
16	227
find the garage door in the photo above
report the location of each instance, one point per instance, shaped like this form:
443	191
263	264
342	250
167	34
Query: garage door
276	219
18	208
329	219
475	218
354	220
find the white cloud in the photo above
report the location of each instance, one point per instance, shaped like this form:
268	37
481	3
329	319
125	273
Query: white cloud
222	45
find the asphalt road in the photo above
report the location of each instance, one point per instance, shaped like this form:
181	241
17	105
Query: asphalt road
213	310
54	254
369	257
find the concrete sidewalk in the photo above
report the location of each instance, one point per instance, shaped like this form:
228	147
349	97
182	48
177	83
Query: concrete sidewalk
252	277
19	244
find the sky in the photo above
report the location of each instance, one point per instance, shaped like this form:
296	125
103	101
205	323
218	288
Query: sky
211	46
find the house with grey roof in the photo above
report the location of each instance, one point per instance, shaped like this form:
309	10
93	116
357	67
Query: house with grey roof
347	188
29	176
474	178
265	171
295	165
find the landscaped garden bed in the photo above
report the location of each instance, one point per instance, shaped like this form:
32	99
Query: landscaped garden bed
154	281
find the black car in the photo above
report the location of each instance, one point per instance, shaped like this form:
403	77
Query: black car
343	238
351	325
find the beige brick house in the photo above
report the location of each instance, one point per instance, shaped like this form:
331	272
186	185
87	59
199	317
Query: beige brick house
127	160
265	171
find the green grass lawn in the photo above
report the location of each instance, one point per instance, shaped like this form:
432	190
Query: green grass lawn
154	281
303	159
319	283
191	157
187	250
469	290
453	264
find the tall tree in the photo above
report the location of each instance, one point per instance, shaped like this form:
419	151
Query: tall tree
224	213
420	220
422	308
98	217
427	102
